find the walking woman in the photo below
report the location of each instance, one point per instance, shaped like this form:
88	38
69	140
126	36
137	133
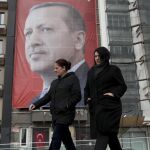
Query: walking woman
63	95
104	88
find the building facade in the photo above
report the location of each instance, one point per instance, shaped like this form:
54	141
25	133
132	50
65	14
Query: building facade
124	27
3	23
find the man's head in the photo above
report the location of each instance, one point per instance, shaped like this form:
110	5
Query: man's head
53	31
101	55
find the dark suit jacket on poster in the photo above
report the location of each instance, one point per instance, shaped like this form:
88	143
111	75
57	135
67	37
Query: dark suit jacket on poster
81	73
62	96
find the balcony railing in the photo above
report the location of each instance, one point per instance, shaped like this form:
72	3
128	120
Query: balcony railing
3	29
3	4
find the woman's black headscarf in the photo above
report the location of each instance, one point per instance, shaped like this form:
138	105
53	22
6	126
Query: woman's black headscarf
104	55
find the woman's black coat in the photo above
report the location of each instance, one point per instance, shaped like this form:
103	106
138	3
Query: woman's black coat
63	95
105	111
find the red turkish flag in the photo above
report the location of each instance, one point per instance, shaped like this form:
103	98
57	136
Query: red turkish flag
40	139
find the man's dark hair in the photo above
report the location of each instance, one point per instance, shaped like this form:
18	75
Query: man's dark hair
73	19
63	63
104	54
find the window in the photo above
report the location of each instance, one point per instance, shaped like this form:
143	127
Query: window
128	71
1	18
118	22
121	2
23	138
134	140
1	47
1	53
0	133
2	24
111	1
122	52
1	90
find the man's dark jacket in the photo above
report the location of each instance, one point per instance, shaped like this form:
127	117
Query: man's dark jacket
105	111
63	95
81	73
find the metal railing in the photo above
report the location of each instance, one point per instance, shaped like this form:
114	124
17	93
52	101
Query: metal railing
138	143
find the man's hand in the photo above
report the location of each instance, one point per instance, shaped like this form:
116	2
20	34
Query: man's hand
31	107
109	94
89	99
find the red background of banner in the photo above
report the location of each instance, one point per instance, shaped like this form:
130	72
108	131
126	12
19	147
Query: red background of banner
26	84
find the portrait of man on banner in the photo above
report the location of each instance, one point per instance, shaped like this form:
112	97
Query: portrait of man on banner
50	31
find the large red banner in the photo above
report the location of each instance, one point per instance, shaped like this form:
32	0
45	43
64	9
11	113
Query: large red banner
27	81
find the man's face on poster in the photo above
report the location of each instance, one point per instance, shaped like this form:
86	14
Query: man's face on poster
47	38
